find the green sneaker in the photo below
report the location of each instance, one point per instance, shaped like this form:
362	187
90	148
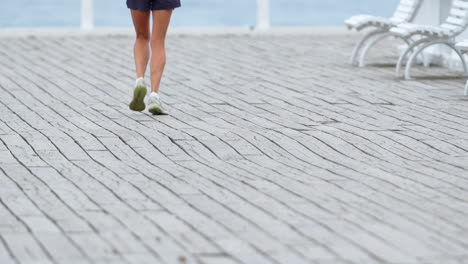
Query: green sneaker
138	101
155	106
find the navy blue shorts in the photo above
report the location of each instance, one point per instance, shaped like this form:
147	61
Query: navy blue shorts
147	5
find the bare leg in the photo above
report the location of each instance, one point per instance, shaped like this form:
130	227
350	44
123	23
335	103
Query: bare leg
161	19
141	49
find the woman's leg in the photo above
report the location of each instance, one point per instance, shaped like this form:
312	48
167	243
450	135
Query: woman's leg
161	19
141	49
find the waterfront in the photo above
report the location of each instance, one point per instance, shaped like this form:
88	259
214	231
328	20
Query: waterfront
194	13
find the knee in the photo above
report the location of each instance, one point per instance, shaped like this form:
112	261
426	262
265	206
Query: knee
157	41
143	36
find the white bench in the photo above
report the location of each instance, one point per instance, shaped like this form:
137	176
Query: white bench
405	12
424	36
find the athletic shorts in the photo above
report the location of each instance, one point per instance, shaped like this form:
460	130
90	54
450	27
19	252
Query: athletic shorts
147	5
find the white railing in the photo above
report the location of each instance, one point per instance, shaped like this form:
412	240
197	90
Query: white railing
87	14
263	14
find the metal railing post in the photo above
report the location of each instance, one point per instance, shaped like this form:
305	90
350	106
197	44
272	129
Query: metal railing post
263	14
87	14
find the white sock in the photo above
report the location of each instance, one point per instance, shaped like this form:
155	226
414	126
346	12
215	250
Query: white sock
154	95
140	81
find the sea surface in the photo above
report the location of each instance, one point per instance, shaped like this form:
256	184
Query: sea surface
194	13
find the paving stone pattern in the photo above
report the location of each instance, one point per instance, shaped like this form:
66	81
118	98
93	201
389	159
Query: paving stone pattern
275	151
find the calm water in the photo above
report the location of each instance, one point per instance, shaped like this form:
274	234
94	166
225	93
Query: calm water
194	13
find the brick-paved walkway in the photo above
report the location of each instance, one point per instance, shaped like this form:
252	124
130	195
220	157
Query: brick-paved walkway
276	151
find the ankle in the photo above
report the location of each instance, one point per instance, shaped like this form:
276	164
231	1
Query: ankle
140	81
155	94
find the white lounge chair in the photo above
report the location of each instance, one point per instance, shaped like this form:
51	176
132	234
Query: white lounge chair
463	48
405	12
444	34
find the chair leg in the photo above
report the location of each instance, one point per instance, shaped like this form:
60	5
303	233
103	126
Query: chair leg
412	58
408	50
372	42
466	89
425	46
465	68
462	58
361	43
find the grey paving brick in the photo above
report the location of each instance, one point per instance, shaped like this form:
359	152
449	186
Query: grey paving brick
26	249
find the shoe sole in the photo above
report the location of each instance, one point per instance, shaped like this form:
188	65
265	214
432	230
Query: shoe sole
157	111
138	101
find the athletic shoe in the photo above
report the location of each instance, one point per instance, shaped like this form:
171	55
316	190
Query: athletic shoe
138	101
155	106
